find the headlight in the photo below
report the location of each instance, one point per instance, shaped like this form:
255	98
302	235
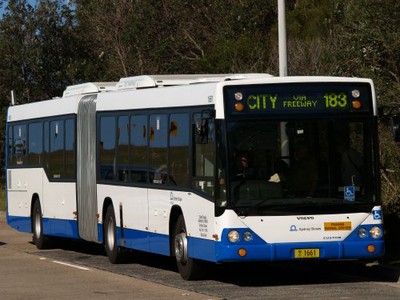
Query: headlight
375	232
247	236
362	233
233	236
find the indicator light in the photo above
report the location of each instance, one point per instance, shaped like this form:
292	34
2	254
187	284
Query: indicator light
356	104
242	252
239	106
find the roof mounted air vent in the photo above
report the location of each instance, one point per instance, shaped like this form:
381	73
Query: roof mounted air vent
89	88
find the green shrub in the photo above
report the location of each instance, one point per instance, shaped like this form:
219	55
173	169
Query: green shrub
2	199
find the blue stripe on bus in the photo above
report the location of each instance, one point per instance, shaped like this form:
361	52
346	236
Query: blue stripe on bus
22	224
54	227
61	228
221	251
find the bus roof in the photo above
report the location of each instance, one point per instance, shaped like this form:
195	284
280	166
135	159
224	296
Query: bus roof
149	81
149	91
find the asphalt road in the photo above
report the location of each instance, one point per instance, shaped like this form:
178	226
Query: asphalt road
81	270
27	274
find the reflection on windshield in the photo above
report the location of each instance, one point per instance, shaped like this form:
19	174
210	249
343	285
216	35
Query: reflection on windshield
326	162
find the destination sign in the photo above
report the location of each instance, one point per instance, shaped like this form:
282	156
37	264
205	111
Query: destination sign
299	98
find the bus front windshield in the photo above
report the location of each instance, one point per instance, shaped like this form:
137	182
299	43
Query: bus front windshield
308	166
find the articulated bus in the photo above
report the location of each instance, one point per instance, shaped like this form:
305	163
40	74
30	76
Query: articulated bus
204	168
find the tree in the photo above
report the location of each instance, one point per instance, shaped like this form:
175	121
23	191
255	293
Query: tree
370	47
16	46
147	37
40	53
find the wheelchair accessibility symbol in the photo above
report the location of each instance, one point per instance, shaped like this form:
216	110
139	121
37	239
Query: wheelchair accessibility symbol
377	214
349	193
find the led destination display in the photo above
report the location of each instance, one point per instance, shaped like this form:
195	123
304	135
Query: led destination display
306	98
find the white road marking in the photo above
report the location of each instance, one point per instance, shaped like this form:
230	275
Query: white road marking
70	265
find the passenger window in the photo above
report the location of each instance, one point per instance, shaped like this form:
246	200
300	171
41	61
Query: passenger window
57	149
69	148
107	148
46	145
138	151
10	145
35	149
179	148
158	149
123	148
19	144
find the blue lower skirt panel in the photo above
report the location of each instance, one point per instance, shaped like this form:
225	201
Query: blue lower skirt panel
22	224
61	228
144	241
221	252
207	249
52	227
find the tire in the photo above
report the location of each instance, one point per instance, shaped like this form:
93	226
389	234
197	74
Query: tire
189	268
39	239
113	251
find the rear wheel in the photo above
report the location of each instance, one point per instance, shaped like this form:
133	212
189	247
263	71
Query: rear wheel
114	252
40	240
189	268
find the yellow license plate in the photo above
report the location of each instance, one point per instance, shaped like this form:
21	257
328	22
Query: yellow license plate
306	253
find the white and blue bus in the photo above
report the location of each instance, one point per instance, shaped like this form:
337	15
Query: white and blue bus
217	168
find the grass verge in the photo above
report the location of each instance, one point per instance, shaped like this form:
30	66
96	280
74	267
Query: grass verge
2	199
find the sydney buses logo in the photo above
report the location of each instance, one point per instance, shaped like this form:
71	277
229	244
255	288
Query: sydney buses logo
173	198
302	228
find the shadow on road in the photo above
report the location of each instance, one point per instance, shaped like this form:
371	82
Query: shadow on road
163	269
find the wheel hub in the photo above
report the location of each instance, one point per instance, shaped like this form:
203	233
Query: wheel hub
181	248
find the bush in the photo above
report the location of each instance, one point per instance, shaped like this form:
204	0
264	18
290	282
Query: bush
2	199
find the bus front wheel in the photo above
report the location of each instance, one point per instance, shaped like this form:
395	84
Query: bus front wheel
189	268
110	237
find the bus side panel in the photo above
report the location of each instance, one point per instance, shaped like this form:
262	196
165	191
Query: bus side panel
58	208
132	204
159	211
57	201
146	216
22	184
198	213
